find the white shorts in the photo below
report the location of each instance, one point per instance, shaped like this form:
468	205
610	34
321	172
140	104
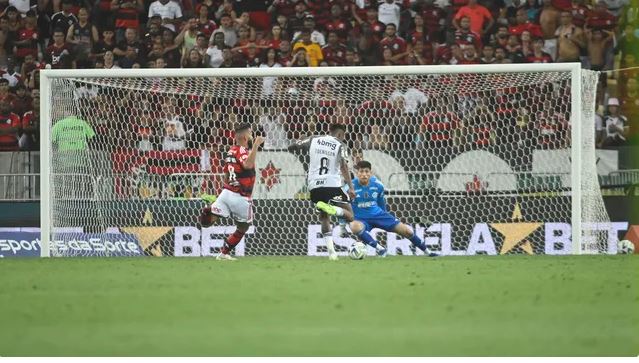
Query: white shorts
234	205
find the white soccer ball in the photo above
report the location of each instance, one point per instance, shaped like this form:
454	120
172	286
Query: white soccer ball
625	247
357	251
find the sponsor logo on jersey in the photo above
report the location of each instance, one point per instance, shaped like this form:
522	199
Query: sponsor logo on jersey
327	143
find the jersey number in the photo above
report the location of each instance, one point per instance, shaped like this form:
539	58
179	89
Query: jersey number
231	173
323	166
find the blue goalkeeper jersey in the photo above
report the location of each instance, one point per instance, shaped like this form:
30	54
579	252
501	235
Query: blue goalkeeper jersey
369	200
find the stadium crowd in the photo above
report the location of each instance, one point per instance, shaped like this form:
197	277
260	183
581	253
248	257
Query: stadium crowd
109	34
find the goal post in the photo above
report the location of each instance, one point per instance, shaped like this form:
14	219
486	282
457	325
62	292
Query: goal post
481	159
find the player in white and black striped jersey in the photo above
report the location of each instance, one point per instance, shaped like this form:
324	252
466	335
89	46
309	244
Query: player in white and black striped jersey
327	173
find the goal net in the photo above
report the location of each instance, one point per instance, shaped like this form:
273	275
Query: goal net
478	160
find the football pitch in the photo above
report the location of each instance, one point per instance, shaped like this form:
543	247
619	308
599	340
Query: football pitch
305	306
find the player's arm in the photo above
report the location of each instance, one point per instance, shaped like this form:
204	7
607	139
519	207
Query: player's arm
249	163
304	144
381	199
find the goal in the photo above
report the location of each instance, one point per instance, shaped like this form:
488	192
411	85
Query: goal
485	159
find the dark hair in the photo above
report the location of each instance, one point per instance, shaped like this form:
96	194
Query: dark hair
336	126
363	164
242	126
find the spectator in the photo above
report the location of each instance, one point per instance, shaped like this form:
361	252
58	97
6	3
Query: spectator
549	21
64	19
570	40
372	20
396	44
433	18
334	52
388	13
522	24
337	23
309	25
226	28
296	22
312	49
214	56
27	37
532	10
273	39
10	73
615	7
367	46
130	42
82	35
285	52
300	58
22	101
193	59
244	22
127	15
488	55
598	42
170	12
109	61
273	123
29	140
107	43
206	25
501	56
481	20
58	54
269	83
226	8
615	126
465	36
10	126
538	55
579	11
188	36
252	56
174	135
601	18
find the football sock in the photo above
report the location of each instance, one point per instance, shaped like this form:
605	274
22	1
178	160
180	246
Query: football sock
232	241
328	238
367	238
418	242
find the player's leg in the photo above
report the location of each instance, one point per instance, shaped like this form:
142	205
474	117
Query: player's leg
407	232
337	205
241	209
216	207
361	229
327	233
321	196
233	240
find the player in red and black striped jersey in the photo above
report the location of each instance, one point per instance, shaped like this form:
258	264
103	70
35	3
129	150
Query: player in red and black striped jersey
235	199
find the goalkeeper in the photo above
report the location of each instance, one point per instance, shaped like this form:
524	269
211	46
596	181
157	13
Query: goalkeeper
369	207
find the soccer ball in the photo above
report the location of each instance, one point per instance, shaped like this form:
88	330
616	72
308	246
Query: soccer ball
357	251
625	247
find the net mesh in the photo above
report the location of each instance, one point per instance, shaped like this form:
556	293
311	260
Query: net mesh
476	163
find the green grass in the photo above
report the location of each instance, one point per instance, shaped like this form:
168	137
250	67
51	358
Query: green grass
404	306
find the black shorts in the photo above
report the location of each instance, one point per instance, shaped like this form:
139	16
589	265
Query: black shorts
328	195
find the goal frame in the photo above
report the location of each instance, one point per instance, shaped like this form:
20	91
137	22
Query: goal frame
48	75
